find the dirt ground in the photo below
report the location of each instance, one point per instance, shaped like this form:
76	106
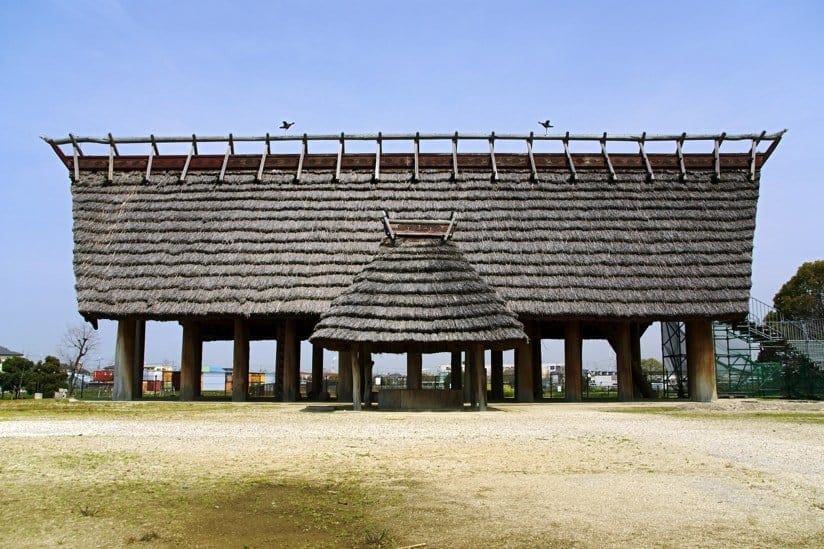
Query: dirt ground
738	472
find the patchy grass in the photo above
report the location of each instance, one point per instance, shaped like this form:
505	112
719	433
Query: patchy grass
785	416
255	511
78	409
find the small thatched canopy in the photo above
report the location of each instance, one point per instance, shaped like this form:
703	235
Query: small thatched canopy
418	294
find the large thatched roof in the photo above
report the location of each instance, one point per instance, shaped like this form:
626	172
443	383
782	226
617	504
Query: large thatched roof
418	293
593	248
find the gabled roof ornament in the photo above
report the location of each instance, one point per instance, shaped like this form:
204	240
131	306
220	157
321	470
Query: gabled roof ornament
419	228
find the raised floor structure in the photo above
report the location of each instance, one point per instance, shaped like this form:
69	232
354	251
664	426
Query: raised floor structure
251	245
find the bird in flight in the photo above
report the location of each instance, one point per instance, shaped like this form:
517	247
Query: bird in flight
286	125
546	124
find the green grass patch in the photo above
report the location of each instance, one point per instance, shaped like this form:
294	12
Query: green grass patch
66	409
252	511
784	416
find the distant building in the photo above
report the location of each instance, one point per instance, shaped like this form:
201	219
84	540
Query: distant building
6	354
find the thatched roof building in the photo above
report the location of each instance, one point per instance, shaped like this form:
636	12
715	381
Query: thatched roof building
418	294
598	239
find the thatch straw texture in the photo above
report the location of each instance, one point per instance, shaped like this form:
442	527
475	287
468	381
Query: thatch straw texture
553	248
418	292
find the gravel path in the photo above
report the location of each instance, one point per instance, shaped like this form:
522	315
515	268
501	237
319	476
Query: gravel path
523	475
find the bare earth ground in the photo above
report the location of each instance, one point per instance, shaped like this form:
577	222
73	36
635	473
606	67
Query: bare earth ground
743	473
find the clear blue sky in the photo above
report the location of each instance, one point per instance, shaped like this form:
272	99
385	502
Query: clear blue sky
133	68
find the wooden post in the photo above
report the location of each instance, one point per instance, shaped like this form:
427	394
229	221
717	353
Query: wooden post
414	365
291	361
455	375
701	361
198	384
344	390
124	361
317	371
623	352
279	357
537	369
189	361
139	356
470	386
497	375
523	368
573	361
641	386
479	376
240	361
356	380
365	364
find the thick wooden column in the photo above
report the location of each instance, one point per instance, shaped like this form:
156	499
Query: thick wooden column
344	390
240	361
701	361
455	374
573	361
470	394
479	376
124	361
623	357
523	367
496	371
139	356
279	357
414	365
365	364
291	361
190	364
537	367
356	380
317	372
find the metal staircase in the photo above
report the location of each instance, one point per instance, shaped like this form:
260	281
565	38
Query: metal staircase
768	355
762	355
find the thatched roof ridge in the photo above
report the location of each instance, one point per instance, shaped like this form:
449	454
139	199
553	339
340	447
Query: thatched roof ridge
593	248
418	293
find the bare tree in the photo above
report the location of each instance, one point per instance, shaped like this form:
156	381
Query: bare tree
78	341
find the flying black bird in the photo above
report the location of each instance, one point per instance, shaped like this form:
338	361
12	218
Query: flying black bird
286	125
546	124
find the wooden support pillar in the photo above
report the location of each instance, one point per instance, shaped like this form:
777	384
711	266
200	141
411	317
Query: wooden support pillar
139	356
496	371
641	385
344	390
356	379
537	369
279	357
198	386
455	374
573	361
317	372
240	361
470	388
124	361
523	367
190	362
291	361
701	361
365	364
414	366
479	376
623	356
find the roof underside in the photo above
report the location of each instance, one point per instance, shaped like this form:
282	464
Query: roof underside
672	248
418	292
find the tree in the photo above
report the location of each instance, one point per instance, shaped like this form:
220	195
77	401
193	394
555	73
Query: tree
45	377
802	297
651	366
78	341
15	372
